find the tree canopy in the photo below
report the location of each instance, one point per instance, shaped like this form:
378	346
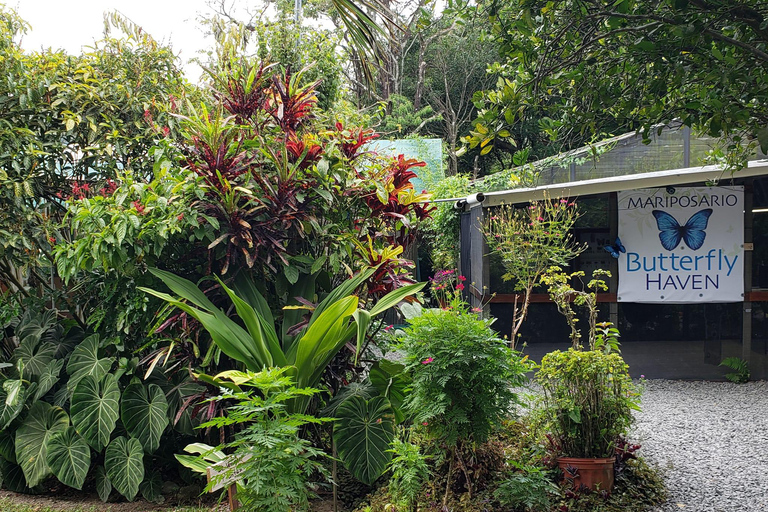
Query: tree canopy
589	67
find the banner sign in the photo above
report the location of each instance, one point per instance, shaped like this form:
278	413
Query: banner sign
681	245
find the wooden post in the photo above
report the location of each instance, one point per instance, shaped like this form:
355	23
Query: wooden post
232	497
221	475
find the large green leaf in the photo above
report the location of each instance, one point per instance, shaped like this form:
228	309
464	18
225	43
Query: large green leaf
144	412
363	433
95	409
8	445
232	339
48	377
103	485
13	477
391	381
35	356
42	423
85	360
69	457
10	406
152	486
124	464
263	335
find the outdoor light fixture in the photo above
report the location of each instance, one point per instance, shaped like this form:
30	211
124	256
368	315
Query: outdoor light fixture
670	190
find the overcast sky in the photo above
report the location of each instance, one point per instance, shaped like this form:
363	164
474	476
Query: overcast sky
72	24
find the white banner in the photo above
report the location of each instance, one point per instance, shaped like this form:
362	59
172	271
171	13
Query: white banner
681	245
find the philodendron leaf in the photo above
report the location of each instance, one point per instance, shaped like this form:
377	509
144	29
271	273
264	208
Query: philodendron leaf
124	463
95	409
69	457
13	477
8	445
9	411
103	485
42	423
35	356
152	487
144	412
363	433
85	361
48	377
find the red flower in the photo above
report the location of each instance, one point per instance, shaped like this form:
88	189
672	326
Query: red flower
459	286
51	240
139	207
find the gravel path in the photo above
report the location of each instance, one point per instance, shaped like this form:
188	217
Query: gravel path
712	440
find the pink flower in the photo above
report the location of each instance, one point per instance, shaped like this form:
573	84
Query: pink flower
425	423
462	278
427	360
459	286
387	328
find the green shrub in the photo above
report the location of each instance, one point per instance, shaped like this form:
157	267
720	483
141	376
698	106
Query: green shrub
462	375
528	490
589	398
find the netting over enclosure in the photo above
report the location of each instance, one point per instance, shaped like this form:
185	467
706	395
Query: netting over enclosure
674	148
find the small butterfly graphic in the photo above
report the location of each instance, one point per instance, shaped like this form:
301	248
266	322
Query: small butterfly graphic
692	233
615	249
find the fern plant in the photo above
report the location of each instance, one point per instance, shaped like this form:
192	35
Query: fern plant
740	368
409	472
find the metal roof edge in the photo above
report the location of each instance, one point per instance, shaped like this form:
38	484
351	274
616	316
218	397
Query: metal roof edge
626	182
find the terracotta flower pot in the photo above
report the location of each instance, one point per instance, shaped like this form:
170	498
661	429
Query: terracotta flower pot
597	474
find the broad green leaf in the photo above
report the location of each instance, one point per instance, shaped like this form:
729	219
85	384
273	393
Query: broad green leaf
363	433
69	457
85	361
193	462
103	485
269	351
362	321
391	381
144	413
14	391
34	355
95	409
152	486
232	339
8	445
13	477
42	423
362	389
394	297
124	464
49	377
291	274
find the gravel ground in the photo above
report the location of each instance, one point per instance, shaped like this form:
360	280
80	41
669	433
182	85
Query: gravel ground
711	438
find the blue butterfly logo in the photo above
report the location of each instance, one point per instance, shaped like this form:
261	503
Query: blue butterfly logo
671	232
615	249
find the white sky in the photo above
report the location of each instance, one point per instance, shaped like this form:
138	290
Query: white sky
72	24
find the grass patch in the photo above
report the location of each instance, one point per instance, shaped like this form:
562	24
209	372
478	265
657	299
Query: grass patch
9	505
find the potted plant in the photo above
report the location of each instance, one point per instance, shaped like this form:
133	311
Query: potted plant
588	394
